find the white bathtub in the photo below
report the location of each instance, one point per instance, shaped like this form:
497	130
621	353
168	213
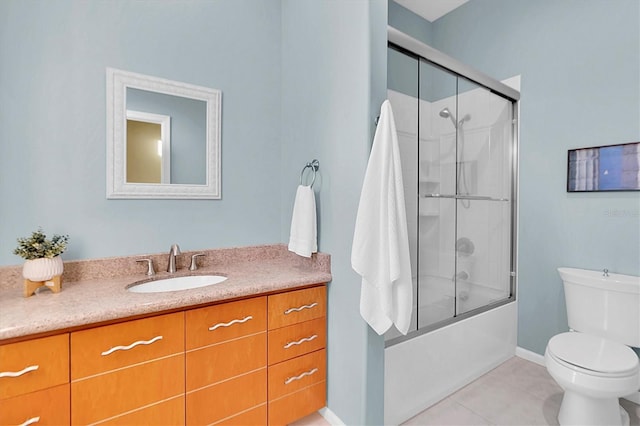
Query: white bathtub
426	369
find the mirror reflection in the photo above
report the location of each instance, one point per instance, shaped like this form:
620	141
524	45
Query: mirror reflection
148	144
187	154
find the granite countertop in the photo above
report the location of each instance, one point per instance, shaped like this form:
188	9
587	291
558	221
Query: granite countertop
94	291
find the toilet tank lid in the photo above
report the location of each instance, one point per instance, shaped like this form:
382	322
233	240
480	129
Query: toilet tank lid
593	353
611	282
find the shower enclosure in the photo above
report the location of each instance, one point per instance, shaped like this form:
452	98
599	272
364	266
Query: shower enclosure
457	149
457	136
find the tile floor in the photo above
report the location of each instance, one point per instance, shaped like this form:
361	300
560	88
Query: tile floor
517	392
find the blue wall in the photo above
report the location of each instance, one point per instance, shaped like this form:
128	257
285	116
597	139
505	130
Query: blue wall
333	86
53	125
580	67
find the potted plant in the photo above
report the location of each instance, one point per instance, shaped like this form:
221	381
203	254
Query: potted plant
42	256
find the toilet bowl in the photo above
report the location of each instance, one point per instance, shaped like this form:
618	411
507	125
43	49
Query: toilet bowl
594	363
593	372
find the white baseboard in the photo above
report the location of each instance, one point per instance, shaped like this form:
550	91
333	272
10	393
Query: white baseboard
331	417
530	356
539	359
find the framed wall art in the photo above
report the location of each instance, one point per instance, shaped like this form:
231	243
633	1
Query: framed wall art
604	168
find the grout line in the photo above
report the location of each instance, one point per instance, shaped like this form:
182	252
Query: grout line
488	421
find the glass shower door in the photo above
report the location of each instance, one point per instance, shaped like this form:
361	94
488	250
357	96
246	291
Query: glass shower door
436	214
483	197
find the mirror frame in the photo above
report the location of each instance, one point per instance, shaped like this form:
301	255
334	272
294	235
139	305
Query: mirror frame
117	188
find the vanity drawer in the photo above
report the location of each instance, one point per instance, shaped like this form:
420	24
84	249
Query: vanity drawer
114	346
295	340
111	394
296	405
33	365
48	407
222	361
297	373
297	306
226	321
227	399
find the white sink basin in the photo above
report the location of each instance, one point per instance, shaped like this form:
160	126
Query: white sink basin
177	283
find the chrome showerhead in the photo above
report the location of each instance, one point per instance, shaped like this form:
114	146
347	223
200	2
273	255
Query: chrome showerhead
445	113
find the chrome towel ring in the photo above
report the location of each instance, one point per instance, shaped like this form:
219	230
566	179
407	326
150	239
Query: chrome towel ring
314	165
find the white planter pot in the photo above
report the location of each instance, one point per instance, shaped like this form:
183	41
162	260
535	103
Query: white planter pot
42	269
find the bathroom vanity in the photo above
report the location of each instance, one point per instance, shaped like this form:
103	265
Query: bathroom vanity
250	350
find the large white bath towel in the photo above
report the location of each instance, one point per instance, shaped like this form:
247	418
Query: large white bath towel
303	237
380	251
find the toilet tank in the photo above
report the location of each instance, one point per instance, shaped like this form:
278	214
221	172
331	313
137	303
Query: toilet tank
605	306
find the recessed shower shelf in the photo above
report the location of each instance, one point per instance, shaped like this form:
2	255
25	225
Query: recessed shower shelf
465	197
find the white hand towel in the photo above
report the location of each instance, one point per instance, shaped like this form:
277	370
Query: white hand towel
303	239
380	251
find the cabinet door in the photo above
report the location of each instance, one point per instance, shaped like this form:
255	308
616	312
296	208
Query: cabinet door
226	321
296	306
120	369
292	407
227	399
125	390
295	340
33	365
44	407
111	347
296	374
215	363
169	412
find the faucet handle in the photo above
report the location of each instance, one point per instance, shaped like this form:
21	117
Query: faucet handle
150	270
194	264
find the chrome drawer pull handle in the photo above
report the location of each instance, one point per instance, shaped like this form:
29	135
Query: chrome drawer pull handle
288	311
133	345
19	373
227	324
304	339
294	378
31	421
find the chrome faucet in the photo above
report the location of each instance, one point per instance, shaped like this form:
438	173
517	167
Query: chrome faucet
175	250
605	272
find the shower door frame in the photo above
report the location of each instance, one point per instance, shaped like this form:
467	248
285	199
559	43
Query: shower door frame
414	48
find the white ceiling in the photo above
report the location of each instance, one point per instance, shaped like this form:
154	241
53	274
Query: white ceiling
431	9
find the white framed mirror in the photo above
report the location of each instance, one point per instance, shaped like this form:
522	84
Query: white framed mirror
163	138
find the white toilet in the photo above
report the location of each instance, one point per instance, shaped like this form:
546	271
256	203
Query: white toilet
593	363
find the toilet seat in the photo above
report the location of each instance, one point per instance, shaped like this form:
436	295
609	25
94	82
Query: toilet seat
593	355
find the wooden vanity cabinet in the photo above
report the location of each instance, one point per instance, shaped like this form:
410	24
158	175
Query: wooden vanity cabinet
254	361
128	371
34	381
296	354
226	363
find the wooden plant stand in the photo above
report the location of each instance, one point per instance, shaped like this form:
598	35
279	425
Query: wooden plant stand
55	284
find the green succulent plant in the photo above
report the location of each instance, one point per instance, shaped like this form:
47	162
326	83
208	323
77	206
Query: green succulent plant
37	246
